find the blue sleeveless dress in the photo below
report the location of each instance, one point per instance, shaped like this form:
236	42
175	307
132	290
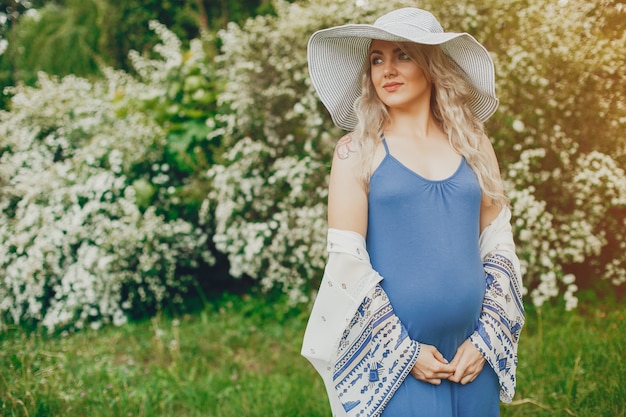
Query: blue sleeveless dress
422	238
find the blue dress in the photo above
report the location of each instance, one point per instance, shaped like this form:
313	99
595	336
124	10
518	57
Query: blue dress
423	239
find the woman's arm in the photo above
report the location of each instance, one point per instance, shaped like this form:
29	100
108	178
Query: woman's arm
489	210
347	198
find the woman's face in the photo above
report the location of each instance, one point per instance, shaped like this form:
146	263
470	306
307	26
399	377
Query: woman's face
399	82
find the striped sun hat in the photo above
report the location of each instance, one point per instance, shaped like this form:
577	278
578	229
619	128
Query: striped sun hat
337	56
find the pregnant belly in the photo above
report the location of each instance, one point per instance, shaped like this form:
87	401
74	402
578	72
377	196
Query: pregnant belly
440	306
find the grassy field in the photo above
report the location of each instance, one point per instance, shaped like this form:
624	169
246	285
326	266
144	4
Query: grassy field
240	358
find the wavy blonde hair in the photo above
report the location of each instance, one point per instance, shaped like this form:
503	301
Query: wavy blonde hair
449	104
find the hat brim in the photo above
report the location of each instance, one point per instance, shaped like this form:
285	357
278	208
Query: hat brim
337	55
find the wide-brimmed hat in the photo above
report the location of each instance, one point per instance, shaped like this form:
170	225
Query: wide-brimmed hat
337	55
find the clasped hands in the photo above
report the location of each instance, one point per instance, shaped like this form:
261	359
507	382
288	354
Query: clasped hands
432	367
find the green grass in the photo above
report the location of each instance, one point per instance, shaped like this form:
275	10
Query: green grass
240	358
572	364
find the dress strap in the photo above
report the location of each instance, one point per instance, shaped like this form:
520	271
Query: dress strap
385	143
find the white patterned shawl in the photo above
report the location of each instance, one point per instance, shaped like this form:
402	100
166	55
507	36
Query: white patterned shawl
353	338
375	354
502	316
361	349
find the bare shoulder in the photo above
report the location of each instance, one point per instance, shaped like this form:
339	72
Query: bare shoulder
345	147
345	158
490	209
347	199
487	147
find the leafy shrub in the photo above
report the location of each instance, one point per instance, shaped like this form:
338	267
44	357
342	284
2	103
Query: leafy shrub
560	131
269	193
84	239
41	36
182	100
554	134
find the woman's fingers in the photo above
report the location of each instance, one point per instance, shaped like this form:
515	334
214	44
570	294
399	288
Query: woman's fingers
468	363
439	356
431	366
469	378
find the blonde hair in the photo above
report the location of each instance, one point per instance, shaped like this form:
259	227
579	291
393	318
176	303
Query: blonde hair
449	105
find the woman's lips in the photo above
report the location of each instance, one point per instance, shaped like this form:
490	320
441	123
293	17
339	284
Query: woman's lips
390	87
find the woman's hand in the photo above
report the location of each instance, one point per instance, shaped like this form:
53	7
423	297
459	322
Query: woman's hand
431	366
468	363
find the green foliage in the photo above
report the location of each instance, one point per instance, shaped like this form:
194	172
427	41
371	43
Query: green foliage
124	26
250	119
562	104
269	192
239	358
79	36
57	40
228	361
184	105
91	220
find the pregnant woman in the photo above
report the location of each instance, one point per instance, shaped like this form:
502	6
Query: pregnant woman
419	311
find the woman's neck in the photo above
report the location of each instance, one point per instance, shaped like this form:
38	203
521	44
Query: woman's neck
411	125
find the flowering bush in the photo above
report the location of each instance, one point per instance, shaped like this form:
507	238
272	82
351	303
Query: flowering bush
107	208
560	131
278	211
181	98
554	134
269	193
81	240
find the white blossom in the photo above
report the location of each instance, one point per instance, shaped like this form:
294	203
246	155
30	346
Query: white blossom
75	248
269	193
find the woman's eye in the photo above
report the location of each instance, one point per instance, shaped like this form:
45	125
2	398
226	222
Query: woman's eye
403	56
376	61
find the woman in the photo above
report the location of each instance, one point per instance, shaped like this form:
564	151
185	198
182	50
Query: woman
422	282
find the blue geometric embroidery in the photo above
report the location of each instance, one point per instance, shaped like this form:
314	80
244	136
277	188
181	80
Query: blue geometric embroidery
501	321
373	344
502	363
349	406
483	333
374	373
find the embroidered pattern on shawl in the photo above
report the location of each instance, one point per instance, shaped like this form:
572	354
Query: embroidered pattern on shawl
501	321
375	355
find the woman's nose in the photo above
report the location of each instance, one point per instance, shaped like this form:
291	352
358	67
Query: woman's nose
389	70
